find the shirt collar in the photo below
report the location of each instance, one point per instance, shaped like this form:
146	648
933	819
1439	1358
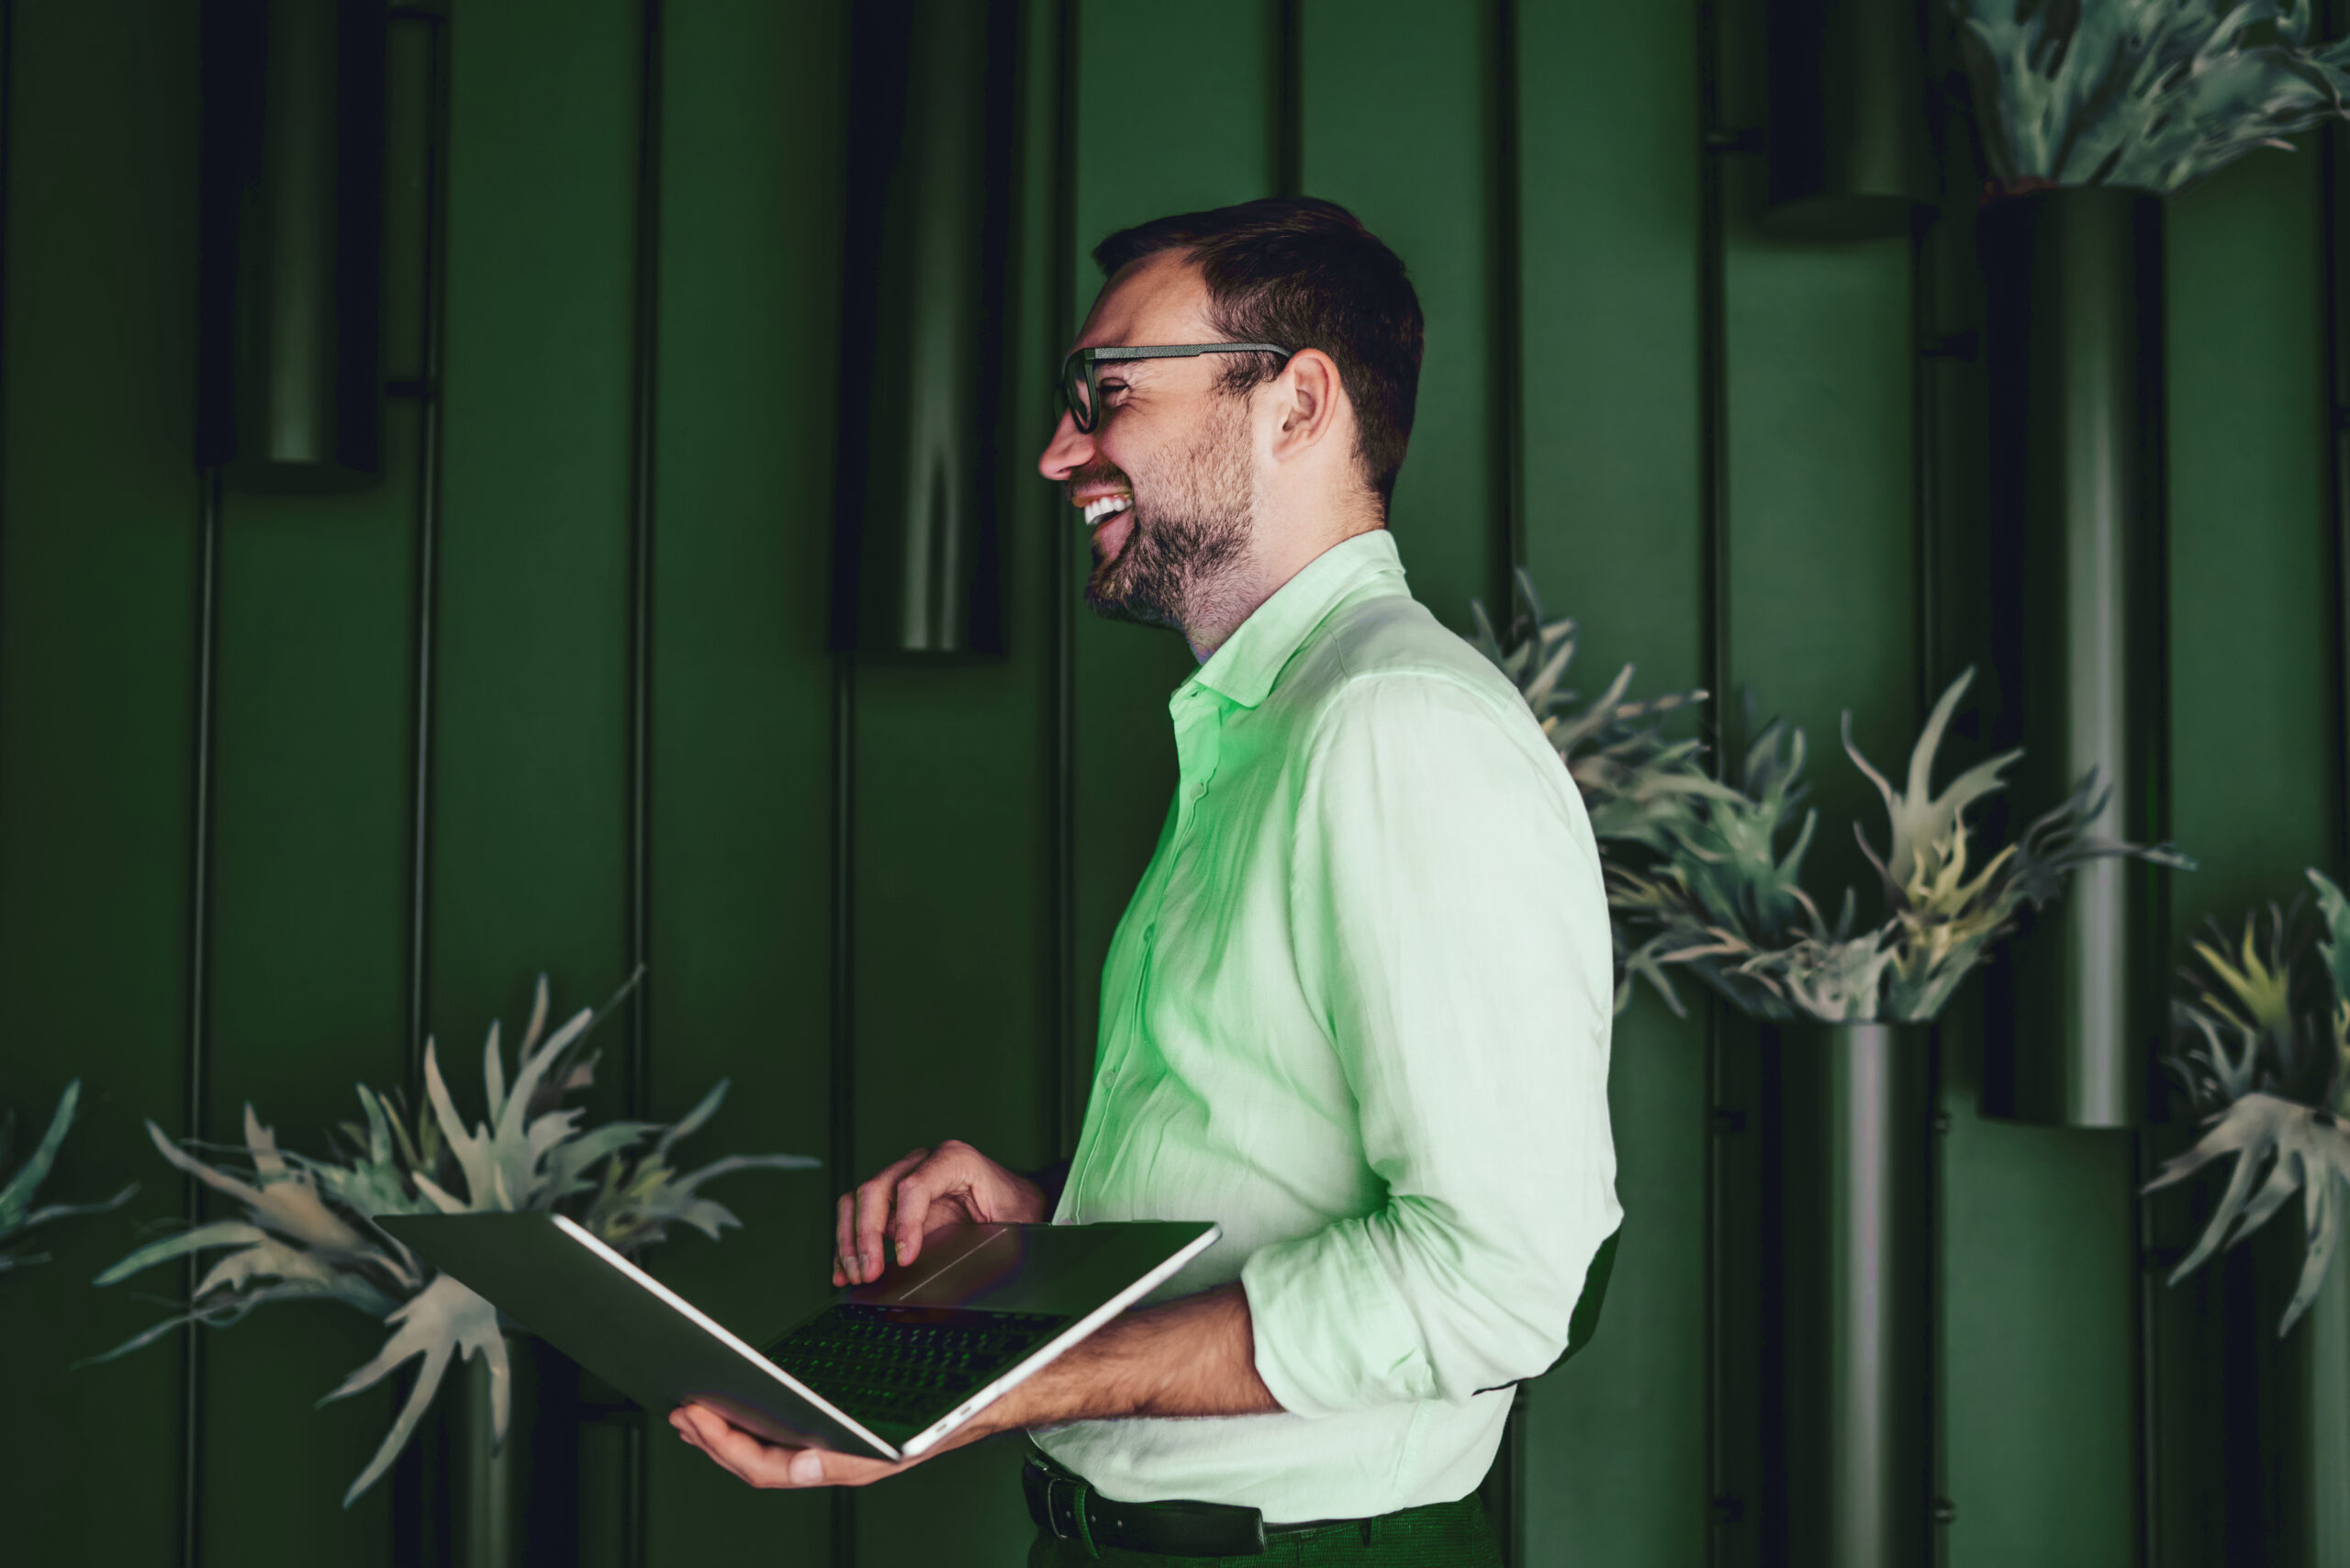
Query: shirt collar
1251	659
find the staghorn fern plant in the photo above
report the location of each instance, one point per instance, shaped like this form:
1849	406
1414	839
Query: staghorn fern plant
2271	1075
16	1211
305	1235
2151	94
1724	899
1638	787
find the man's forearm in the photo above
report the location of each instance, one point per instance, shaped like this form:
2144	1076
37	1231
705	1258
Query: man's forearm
1193	1357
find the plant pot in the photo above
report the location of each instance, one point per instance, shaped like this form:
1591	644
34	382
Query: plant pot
1849	152
1848	1252
504	1505
2304	1415
2073	285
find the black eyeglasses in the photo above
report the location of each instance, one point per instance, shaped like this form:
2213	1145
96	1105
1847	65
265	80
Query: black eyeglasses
1082	370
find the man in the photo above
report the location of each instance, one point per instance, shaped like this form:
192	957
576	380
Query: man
1357	1011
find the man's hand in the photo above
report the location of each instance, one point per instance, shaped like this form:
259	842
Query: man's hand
950	1185
765	1464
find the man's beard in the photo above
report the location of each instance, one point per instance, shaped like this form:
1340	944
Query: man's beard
1186	539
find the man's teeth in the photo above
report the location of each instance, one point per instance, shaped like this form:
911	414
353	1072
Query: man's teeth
1095	510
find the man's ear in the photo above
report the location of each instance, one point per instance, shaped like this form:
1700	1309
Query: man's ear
1307	399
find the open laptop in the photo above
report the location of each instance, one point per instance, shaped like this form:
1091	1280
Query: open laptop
887	1369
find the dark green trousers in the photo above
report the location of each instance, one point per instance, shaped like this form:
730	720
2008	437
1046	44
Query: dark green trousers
1440	1535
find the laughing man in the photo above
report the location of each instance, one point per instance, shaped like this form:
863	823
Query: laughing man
1358	1010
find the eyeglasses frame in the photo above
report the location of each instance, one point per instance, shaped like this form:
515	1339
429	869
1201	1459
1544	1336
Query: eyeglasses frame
1090	360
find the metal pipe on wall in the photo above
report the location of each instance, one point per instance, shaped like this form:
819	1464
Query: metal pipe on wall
922	345
292	266
2073	335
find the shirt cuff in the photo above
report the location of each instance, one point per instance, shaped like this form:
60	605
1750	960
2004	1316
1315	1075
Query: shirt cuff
1331	1332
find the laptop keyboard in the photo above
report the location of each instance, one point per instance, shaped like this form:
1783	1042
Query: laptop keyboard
907	1365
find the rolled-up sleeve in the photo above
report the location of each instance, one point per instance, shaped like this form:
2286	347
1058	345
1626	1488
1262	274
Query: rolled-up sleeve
1451	930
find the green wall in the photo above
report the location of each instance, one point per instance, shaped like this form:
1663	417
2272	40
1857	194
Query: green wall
1548	199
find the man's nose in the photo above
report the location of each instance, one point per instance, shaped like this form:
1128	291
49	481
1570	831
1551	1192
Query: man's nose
1069	450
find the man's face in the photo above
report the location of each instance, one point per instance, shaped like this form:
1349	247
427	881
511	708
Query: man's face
1163	479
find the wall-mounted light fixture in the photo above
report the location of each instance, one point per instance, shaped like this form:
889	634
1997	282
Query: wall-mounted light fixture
292	281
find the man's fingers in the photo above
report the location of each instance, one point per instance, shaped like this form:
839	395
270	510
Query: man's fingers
916	1192
873	1201
844	1238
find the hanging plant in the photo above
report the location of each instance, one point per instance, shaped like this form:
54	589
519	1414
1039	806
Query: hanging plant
16	1211
2149	93
304	1235
2270	1072
1725	899
1638	785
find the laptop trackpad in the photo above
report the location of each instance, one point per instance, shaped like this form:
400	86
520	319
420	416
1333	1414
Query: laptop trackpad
958	1265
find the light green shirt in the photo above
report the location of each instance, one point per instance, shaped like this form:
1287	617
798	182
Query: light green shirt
1357	1014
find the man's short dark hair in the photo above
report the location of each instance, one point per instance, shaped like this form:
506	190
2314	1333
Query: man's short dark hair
1304	273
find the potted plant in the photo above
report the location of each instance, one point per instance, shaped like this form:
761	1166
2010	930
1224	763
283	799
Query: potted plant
18	1212
2088	115
2264	1056
302	1235
1848	1011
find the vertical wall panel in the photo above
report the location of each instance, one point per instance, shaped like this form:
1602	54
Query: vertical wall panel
743	689
1134	166
1393	129
1615	1458
1820	527
2255	732
309	950
2250	602
97	501
1816	588
528	861
954	1011
2039	1299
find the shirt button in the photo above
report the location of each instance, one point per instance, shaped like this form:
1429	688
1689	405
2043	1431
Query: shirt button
1150	934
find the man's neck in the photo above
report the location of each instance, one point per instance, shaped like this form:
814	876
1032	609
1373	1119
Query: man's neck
1258	579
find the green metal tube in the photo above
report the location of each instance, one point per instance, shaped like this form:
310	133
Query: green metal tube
1849	150
2073	288
512	1504
1849	1255
292	264
922	344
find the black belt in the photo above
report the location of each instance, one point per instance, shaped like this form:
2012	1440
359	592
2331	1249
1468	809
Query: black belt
1066	1506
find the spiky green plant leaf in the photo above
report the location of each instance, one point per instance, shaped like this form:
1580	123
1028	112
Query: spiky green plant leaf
442	1322
2301	1148
1726	898
17	1211
2272	1071
2149	93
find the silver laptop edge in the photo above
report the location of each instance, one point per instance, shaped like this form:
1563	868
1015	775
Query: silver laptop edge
923	1443
709	1326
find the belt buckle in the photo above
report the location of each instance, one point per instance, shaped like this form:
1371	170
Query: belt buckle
1064	1498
